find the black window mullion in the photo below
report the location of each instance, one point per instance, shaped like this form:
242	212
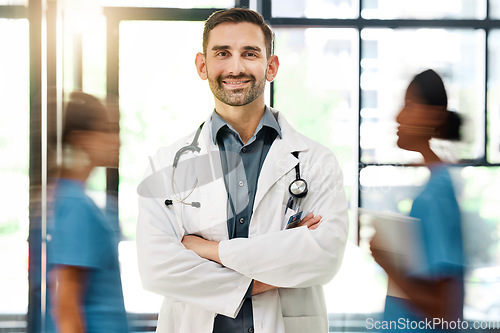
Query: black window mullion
485	91
264	7
360	101
484	159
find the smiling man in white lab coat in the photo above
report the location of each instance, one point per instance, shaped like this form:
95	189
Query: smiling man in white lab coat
220	249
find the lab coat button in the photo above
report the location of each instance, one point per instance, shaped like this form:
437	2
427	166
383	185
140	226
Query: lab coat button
240	183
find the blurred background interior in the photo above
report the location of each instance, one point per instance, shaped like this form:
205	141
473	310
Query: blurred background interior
344	67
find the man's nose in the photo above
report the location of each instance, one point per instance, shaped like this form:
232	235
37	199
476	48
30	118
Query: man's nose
236	65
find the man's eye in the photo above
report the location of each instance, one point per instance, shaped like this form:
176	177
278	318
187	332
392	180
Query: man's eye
222	54
250	54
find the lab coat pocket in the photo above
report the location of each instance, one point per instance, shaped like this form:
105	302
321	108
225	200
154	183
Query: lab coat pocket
310	324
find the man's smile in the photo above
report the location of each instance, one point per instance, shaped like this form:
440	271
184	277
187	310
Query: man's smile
235	83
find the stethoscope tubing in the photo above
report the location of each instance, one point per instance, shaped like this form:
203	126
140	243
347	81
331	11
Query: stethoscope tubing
298	187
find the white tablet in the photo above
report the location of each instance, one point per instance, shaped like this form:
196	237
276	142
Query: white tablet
398	234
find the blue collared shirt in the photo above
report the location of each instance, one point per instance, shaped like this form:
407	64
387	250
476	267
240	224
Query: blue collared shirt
241	164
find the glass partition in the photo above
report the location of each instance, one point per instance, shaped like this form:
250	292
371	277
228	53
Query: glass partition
424	9
494	97
316	8
94	58
495	9
14	164
391	57
162	99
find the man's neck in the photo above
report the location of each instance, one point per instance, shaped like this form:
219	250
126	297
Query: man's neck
244	119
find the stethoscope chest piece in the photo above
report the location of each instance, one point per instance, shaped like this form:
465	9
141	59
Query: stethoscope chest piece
298	188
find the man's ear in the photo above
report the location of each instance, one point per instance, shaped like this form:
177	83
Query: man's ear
201	66
272	68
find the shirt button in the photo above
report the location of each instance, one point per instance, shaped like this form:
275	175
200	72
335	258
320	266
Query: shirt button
240	183
244	149
242	220
250	330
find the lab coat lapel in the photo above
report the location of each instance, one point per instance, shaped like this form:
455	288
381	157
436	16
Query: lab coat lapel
279	160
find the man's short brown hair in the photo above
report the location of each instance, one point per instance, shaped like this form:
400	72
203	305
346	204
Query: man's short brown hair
237	15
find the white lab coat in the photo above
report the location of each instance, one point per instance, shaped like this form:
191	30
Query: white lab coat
298	260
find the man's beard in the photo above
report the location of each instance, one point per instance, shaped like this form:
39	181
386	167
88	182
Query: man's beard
237	97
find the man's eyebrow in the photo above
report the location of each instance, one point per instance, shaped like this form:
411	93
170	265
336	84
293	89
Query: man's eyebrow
220	47
227	47
253	48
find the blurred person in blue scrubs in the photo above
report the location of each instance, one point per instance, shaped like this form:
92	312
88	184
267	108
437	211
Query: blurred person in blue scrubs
434	291
84	283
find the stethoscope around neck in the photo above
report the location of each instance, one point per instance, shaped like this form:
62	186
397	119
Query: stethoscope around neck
298	187
193	147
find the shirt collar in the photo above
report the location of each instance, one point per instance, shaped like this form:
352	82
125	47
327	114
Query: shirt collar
268	120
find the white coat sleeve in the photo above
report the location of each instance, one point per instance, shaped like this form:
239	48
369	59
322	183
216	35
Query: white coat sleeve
299	257
167	268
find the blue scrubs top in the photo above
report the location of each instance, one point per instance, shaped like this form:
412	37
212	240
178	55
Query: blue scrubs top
80	235
437	208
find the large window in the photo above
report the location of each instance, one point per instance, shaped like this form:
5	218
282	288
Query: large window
319	66
344	67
